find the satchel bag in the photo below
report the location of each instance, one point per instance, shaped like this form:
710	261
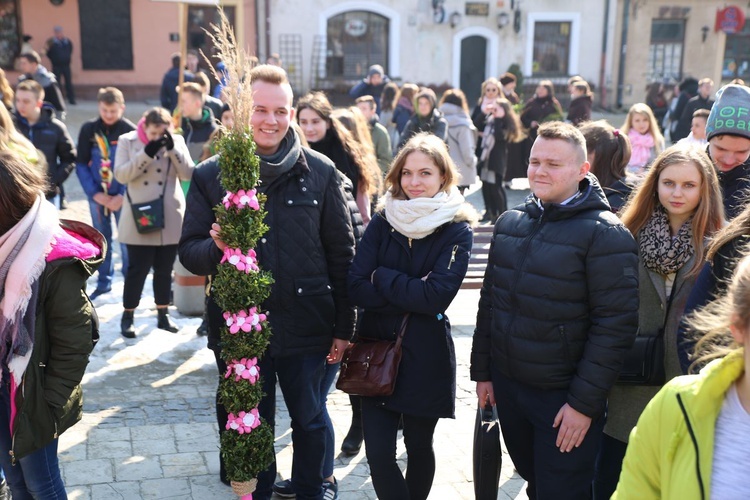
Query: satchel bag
488	455
149	215
369	367
644	362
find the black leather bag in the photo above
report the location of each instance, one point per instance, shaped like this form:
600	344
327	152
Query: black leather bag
644	362
488	455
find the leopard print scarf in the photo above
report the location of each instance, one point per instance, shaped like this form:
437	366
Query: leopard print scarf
660	252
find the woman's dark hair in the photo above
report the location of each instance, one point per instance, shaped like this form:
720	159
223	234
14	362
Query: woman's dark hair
547	84
455	97
157	116
388	97
21	182
611	151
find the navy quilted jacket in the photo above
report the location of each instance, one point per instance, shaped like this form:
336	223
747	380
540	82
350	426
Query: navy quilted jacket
308	248
559	304
426	383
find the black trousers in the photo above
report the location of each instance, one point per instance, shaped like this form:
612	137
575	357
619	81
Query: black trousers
380	428
63	72
526	415
141	259
495	199
608	467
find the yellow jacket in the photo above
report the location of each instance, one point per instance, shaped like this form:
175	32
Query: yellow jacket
670	451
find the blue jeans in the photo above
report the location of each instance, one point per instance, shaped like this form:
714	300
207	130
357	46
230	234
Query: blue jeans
35	476
103	224
325	387
300	378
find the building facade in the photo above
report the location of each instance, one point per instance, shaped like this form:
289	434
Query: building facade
330	44
126	43
665	41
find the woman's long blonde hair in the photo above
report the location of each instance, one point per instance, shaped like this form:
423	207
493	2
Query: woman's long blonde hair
11	138
709	214
711	324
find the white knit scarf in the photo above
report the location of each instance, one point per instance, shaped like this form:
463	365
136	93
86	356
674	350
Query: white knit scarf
23	249
420	217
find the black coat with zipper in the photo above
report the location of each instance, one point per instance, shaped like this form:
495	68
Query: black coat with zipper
308	248
426	382
559	304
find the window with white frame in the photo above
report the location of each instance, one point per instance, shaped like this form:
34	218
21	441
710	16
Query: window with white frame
666	49
551	48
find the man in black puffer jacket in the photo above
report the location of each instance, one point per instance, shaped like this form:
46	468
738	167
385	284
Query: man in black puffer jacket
308	248
557	313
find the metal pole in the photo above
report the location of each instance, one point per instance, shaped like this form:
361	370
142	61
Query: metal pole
182	16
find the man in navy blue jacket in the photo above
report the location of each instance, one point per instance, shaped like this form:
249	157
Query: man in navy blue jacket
36	120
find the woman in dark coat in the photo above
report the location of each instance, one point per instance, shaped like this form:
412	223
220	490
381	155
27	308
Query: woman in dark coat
404	108
412	259
427	118
609	154
543	106
581	100
47	327
502	130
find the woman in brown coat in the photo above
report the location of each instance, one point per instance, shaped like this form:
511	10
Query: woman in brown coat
151	161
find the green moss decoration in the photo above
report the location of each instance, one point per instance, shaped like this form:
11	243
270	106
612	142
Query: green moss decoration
240	286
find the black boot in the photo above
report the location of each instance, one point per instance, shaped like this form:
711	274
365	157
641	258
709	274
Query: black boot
165	322
127	329
353	440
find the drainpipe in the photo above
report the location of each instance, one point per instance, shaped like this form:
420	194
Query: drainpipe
268	27
623	51
602	68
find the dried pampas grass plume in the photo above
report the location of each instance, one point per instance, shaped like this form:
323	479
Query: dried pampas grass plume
237	64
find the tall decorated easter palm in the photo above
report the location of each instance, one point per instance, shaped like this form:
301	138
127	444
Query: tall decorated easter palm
241	286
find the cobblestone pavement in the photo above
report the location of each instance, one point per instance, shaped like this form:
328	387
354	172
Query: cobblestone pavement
149	429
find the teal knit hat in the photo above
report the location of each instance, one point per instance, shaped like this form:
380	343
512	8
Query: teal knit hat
730	113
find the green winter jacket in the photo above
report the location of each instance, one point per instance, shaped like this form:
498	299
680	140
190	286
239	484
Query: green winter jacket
670	452
49	399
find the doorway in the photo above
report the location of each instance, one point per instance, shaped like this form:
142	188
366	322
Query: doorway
473	69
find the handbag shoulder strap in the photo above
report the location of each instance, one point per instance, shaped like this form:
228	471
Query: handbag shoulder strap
164	189
402	330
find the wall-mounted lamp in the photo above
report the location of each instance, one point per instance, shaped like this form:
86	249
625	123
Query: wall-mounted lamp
455	19
517	21
503	19
704	33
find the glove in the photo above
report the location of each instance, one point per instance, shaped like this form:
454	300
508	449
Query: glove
168	141
153	147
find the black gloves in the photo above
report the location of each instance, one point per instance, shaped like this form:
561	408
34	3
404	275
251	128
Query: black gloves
167	141
164	141
153	147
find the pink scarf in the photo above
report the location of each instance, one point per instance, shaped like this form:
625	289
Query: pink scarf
642	146
486	101
23	251
142	131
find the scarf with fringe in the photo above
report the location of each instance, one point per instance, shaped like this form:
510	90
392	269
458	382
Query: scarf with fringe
418	218
23	249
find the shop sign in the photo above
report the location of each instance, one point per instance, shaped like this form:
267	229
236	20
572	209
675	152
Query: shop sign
355	27
730	20
478	9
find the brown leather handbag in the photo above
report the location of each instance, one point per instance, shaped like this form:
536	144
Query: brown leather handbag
369	367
